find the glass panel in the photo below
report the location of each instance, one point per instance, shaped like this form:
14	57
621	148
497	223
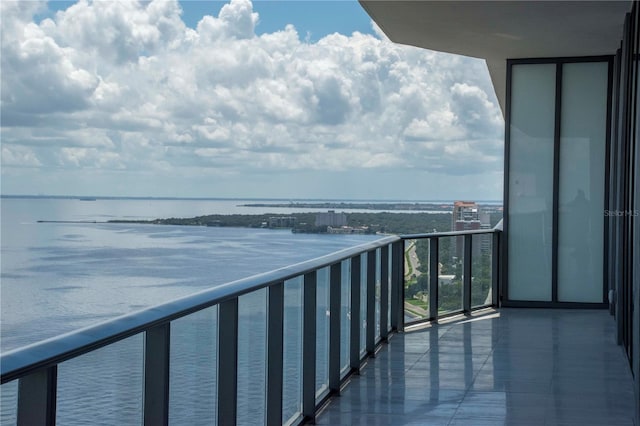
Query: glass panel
531	181
631	341
581	196
252	355
449	276
390	272
9	403
292	346
193	397
345	314
378	287
322	331
416	279
363	303
105	384
481	270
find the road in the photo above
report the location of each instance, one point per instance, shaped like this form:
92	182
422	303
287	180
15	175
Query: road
412	268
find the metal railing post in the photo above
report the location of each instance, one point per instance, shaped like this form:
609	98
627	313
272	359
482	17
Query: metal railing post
371	302
309	308
354	338
384	292
37	398
35	366
335	303
466	273
433	278
275	323
157	348
495	269
228	361
397	286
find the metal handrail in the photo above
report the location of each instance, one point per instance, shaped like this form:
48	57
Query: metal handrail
36	365
434	299
496	228
52	351
23	360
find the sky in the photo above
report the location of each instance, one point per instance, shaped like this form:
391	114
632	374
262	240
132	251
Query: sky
270	99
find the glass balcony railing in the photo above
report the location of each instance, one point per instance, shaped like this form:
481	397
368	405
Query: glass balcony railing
268	349
449	273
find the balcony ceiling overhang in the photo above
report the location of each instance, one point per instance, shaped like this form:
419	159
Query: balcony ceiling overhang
501	30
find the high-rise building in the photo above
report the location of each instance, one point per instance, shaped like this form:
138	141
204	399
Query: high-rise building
467	217
465	211
331	218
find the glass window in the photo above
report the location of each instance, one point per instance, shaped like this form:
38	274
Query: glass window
581	183
531	181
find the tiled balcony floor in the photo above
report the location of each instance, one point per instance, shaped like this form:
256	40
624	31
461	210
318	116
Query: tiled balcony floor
511	367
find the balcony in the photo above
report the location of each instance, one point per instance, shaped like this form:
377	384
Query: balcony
509	366
335	340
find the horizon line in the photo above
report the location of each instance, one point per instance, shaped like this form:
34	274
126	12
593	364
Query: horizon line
291	199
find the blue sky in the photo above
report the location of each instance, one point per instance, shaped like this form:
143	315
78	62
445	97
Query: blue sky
315	18
286	99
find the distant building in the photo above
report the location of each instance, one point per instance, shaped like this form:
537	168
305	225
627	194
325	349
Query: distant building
467	216
465	211
485	240
348	230
331	218
282	222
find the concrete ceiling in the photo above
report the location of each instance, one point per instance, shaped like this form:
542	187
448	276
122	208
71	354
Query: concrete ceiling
500	30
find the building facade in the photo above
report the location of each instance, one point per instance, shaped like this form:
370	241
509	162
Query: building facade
331	218
467	216
566	77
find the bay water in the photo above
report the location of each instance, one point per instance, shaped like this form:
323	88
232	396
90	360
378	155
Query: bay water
57	277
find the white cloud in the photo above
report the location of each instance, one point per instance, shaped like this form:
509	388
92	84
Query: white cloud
19	156
127	87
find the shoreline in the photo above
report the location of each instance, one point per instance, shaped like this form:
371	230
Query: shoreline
356	222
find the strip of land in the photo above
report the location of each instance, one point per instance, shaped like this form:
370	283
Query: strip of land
386	223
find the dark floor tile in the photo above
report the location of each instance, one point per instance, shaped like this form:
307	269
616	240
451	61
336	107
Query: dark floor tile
517	367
